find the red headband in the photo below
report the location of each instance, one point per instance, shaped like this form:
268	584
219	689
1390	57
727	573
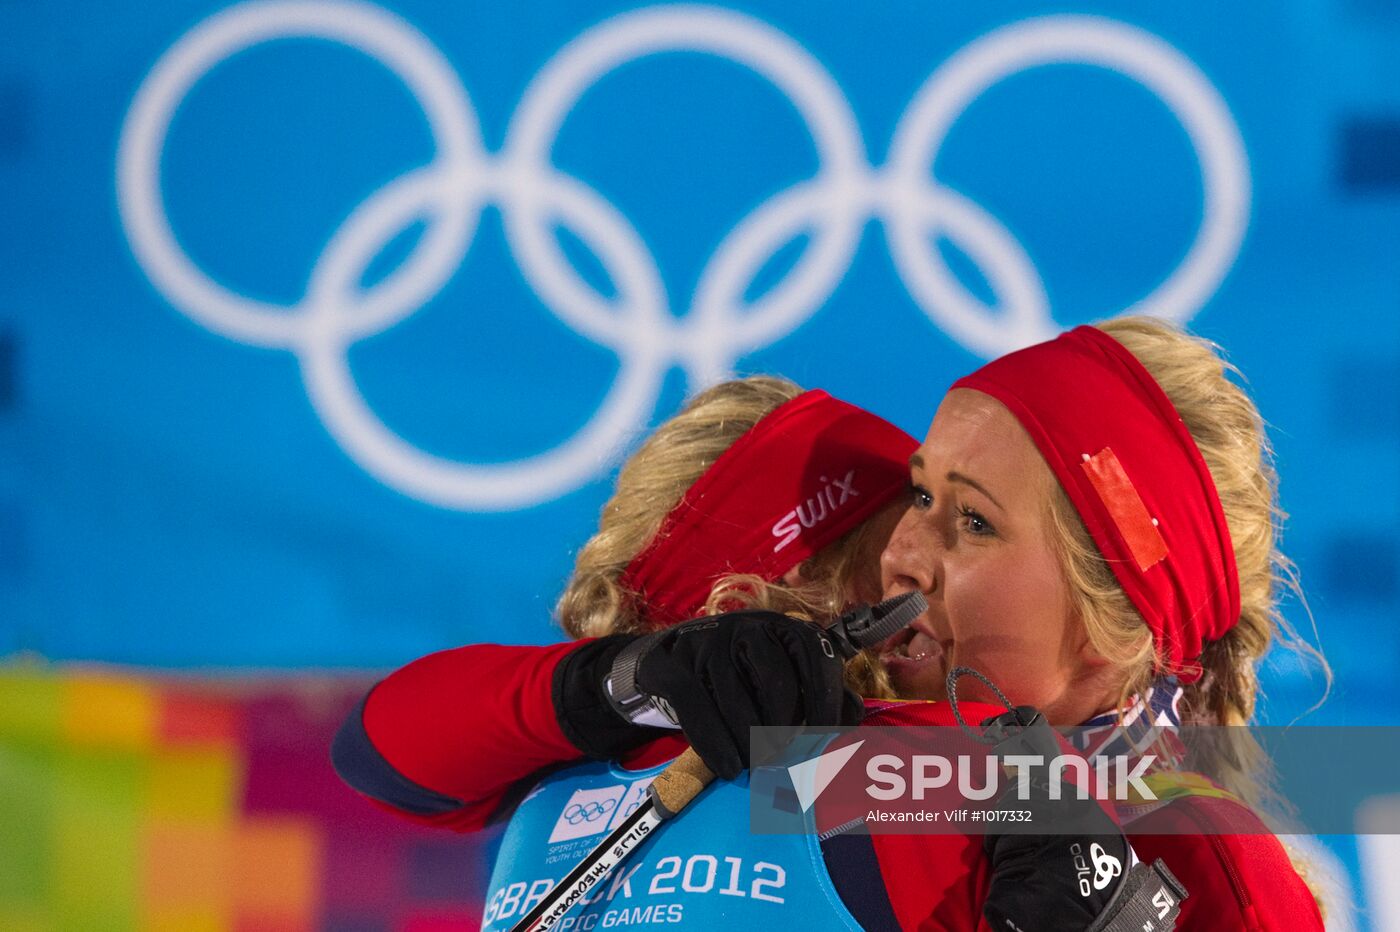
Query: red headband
1136	478
811	470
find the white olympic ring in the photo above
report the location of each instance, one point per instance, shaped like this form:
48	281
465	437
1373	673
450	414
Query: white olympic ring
638	324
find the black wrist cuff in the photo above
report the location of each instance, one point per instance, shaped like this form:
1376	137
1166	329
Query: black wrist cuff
581	704
1149	898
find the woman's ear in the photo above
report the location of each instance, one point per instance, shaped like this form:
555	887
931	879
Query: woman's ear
794	578
1091	659
1089	656
1098	673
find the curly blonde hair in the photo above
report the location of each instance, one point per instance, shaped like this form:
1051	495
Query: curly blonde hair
651	483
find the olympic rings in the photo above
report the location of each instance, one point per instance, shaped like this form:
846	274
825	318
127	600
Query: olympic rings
590	812
638	323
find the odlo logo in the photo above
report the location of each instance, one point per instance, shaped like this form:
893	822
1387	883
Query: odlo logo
815	510
1105	868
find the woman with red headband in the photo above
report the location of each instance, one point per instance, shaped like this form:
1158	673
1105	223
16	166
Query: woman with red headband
1094	526
754	482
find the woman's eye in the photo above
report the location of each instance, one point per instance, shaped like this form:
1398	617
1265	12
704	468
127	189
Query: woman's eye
921	497
975	523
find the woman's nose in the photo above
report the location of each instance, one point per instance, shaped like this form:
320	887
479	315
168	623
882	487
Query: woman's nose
910	559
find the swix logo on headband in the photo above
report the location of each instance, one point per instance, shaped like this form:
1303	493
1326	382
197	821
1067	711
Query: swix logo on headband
815	510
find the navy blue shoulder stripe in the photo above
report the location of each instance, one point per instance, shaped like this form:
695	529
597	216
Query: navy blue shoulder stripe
360	764
855	873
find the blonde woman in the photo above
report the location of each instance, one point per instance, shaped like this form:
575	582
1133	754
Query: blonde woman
1094	526
755	482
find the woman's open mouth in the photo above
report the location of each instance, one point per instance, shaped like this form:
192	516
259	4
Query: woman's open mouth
911	651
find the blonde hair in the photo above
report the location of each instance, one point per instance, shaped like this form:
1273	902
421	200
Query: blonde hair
651	483
850	565
1229	432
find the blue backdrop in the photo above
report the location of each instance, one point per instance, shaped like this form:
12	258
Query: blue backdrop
322	324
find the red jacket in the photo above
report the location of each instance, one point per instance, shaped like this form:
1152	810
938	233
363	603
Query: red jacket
445	740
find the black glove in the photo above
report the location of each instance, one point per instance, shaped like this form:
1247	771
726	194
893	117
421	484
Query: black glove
1080	875
715	677
1048	883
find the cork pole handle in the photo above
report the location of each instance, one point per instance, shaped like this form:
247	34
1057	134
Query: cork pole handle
679	783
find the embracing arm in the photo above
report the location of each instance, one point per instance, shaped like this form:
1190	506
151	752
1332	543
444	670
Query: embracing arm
442	740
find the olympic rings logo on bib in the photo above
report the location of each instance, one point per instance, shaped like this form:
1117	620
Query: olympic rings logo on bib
591	812
637	323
